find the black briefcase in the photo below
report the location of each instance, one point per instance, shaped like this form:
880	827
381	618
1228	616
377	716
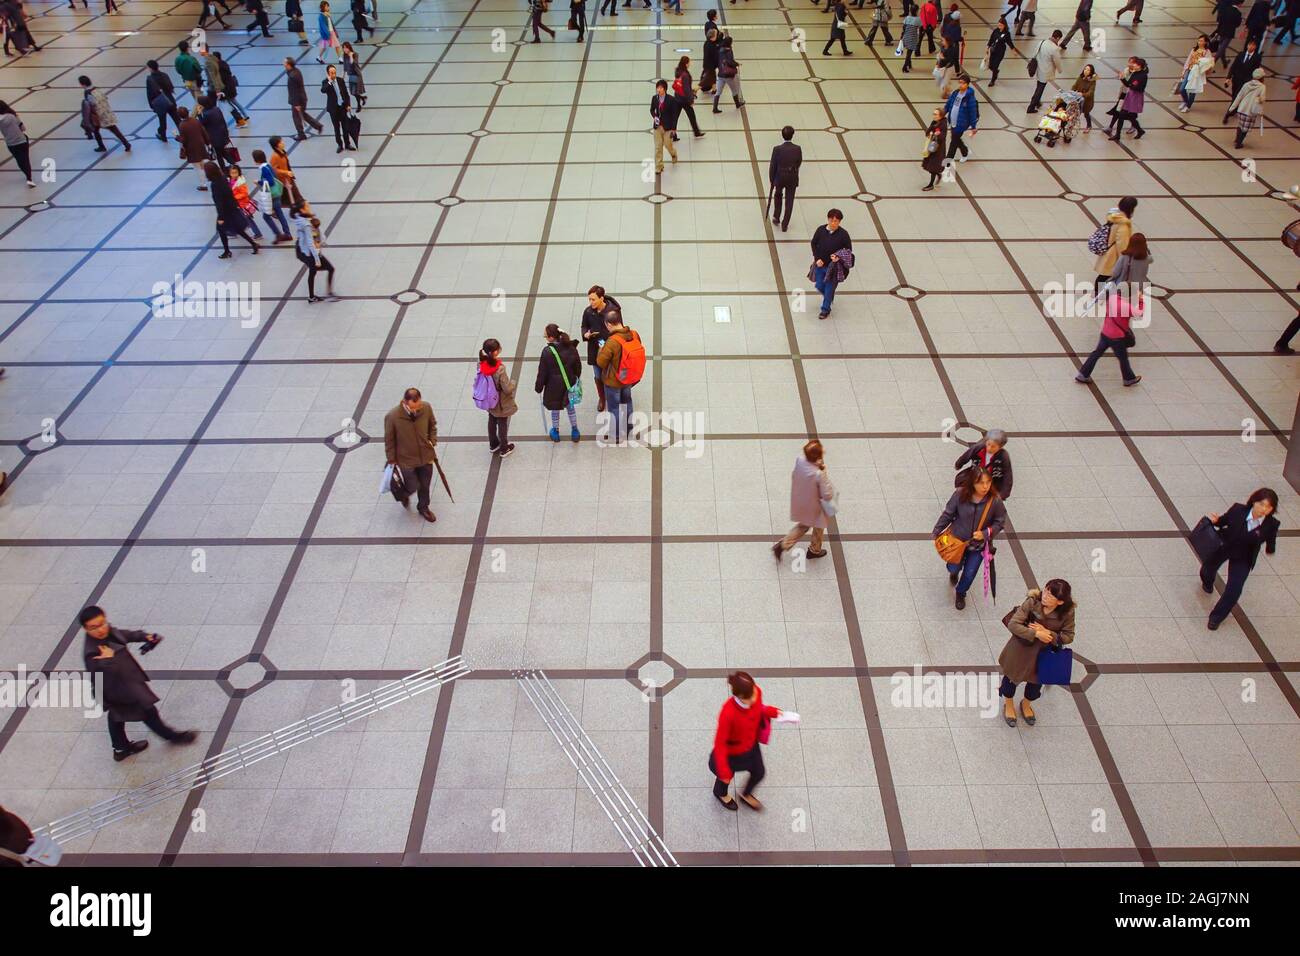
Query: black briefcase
352	123
1206	540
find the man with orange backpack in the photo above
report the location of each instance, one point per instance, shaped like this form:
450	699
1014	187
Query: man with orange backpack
622	363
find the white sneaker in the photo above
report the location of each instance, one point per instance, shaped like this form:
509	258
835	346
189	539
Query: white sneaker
962	158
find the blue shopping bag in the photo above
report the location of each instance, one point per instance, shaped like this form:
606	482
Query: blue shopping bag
1054	666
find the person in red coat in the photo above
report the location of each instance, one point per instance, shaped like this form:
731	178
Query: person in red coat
736	746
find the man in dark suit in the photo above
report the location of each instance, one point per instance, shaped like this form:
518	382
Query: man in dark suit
214	122
298	99
126	692
339	105
783	177
664	111
1244	529
161	95
1244	64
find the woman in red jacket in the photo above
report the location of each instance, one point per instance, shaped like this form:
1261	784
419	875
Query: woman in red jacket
736	746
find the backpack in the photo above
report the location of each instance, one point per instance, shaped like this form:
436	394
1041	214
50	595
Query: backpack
631	360
678	87
1099	241
486	395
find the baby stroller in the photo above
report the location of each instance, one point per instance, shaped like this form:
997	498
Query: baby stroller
1073	111
1051	126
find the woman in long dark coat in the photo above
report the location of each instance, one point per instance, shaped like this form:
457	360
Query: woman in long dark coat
936	145
560	361
230	218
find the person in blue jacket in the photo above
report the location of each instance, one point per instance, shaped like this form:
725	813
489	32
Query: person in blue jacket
963	112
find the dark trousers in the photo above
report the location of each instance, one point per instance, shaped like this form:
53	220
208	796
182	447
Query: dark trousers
1037	99
1084	26
883	28
22	156
99	140
341	137
1027	21
498	432
312	268
225	232
301	116
1132	119
955	144
418	480
1238	571
163	112
580	20
1284	341
610	5
929	37
836	35
689	110
778	203
1008	690
539	25
261	20
152	720
1121	353
751	762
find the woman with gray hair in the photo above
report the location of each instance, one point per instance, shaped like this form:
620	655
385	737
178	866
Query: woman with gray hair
991	455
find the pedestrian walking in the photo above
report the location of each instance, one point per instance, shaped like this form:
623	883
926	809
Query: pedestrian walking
929	20
491	369
963	112
991	455
1134	83
97	114
709	60
307	248
189	70
327	36
1135	7
839	21
239	189
827	244
1045	618
945	67
1242	70
284	172
559	380
410	444
935	150
783	177
160	94
880	21
231	219
999	42
812	501
352	70
1243	529
1195	69
269	193
338	103
295	22
743	723
538	7
261	21
728	75
1248	104
664	110
684	90
1082	24
15	136
966	528
297	88
209	10
1047	64
360	20
910	41
1028	14
126	695
1116	336
214	124
195	145
230	90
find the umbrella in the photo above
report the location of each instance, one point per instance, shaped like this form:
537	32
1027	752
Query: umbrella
443	475
771	191
990	572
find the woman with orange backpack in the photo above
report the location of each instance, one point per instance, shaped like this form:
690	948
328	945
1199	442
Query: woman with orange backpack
622	364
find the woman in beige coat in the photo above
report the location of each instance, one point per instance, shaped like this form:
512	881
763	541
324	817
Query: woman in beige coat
1121	228
811	501
1045	618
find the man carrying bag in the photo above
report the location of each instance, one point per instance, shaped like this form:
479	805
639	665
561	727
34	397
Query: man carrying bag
410	437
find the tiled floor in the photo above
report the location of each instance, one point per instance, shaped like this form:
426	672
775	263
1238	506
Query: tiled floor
495	182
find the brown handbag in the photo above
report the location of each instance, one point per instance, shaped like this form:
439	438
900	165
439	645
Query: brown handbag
949	546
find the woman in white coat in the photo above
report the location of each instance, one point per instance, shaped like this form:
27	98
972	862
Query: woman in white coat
811	501
1195	68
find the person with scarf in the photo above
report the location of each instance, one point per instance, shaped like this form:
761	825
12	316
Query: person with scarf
490	365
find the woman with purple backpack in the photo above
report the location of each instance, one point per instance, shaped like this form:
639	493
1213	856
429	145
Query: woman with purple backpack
494	393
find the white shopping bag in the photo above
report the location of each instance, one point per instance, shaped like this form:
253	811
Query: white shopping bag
386	485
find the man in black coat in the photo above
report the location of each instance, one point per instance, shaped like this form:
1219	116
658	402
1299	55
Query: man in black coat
298	99
1257	21
1082	24
826	242
161	94
783	177
709	66
214	122
1227	20
1244	529
260	18
664	112
1244	64
126	692
594	332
